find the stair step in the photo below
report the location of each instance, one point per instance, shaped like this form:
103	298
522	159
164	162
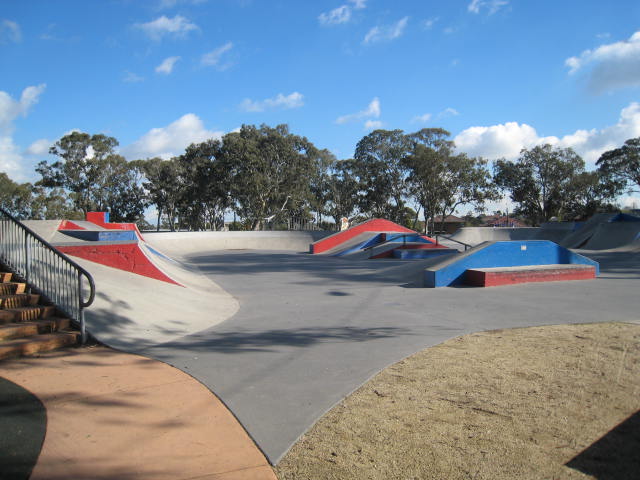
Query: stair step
40	343
18	300
5	276
25	314
12	288
28	329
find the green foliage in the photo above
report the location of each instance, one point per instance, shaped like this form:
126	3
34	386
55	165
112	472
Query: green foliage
96	178
622	164
15	198
440	180
548	182
378	167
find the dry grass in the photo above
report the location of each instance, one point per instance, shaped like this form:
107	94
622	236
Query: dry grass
503	404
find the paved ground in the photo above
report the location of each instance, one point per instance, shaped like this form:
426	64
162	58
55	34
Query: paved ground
311	329
114	415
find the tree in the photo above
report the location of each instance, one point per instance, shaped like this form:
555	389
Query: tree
439	180
203	189
269	170
379	169
540	181
15	198
94	175
623	164
342	191
162	187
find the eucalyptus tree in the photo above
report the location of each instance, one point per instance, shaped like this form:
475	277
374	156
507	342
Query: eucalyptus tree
269	171
381	174
94	176
540	181
623	164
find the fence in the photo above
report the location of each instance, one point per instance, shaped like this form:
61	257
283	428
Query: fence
46	270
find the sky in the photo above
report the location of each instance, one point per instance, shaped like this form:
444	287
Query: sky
499	75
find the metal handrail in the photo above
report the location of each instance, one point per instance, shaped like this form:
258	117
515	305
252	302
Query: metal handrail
45	269
466	245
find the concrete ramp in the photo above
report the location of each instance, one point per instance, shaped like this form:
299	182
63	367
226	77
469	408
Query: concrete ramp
133	312
476	235
616	235
451	271
46	229
178	244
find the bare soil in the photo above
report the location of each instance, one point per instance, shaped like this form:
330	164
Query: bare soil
534	403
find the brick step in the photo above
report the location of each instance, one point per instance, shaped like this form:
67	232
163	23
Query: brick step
12	288
492	277
28	329
40	343
18	300
5	277
25	314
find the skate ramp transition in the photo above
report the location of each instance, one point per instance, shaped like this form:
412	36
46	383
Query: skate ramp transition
379	238
451	271
606	231
144	297
553	231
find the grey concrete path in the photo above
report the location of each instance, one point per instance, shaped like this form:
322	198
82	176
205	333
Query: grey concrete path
311	329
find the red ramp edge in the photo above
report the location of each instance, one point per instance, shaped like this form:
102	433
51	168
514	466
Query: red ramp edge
373	225
128	257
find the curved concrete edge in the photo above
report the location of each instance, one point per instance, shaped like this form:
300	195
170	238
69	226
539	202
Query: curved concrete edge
132	312
183	244
117	415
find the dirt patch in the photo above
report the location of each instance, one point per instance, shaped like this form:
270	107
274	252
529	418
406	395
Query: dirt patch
532	403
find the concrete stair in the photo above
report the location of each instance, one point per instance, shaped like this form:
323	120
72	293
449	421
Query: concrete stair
27	327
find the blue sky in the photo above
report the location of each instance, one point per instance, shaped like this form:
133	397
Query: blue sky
500	75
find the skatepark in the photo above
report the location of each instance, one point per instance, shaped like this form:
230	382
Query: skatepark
281	335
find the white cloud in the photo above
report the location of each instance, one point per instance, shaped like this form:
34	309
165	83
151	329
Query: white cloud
166	67
506	140
372	124
10	32
336	16
39	147
430	22
610	66
448	112
130	77
492	5
280	101
386	32
177	26
212	59
341	14
169	141
10	109
422	118
11	159
372	111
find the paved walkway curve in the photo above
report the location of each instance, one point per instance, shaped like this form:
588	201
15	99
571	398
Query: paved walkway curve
116	415
311	329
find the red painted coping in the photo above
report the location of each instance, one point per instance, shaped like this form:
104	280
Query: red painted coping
69	225
99	218
493	277
373	225
126	257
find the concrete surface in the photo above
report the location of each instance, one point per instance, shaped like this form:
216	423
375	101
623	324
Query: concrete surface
311	329
282	336
114	415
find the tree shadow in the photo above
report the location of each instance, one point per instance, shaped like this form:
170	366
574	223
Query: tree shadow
23	421
615	456
240	341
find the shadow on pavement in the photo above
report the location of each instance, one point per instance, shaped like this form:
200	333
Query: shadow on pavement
615	456
267	340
